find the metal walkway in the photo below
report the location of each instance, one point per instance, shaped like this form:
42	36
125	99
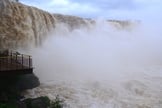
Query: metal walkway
15	63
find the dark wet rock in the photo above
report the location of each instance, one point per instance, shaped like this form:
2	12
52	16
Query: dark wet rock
3	97
12	86
21	104
18	83
40	102
28	81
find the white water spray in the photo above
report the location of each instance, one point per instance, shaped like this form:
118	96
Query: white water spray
101	67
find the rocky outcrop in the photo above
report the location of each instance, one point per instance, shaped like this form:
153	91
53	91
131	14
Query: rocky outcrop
125	24
18	82
27	81
12	87
72	22
40	102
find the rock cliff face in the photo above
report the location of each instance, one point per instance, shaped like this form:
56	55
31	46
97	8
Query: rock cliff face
122	24
15	0
21	25
72	22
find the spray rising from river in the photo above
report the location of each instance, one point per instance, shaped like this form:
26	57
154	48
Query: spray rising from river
101	67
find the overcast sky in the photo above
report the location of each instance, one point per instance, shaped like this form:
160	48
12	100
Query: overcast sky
109	9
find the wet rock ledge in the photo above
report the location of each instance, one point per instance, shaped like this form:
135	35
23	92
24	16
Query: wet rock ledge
11	88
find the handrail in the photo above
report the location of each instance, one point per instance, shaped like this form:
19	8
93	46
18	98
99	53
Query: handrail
16	61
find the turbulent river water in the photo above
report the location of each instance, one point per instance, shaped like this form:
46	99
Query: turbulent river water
101	67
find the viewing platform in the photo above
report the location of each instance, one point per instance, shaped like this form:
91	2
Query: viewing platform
14	63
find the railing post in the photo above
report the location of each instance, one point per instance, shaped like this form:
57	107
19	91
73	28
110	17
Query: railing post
29	62
11	57
7	61
16	57
0	63
22	61
16	62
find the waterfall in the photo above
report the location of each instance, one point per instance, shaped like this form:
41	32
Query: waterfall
21	25
88	63
24	26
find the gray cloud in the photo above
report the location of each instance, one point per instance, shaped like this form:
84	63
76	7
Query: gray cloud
111	4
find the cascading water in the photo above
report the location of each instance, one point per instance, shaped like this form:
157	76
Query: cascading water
101	67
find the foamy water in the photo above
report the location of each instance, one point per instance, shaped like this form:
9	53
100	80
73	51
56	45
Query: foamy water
101	67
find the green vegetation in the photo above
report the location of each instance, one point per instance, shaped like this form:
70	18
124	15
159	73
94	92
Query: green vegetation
3	105
57	103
